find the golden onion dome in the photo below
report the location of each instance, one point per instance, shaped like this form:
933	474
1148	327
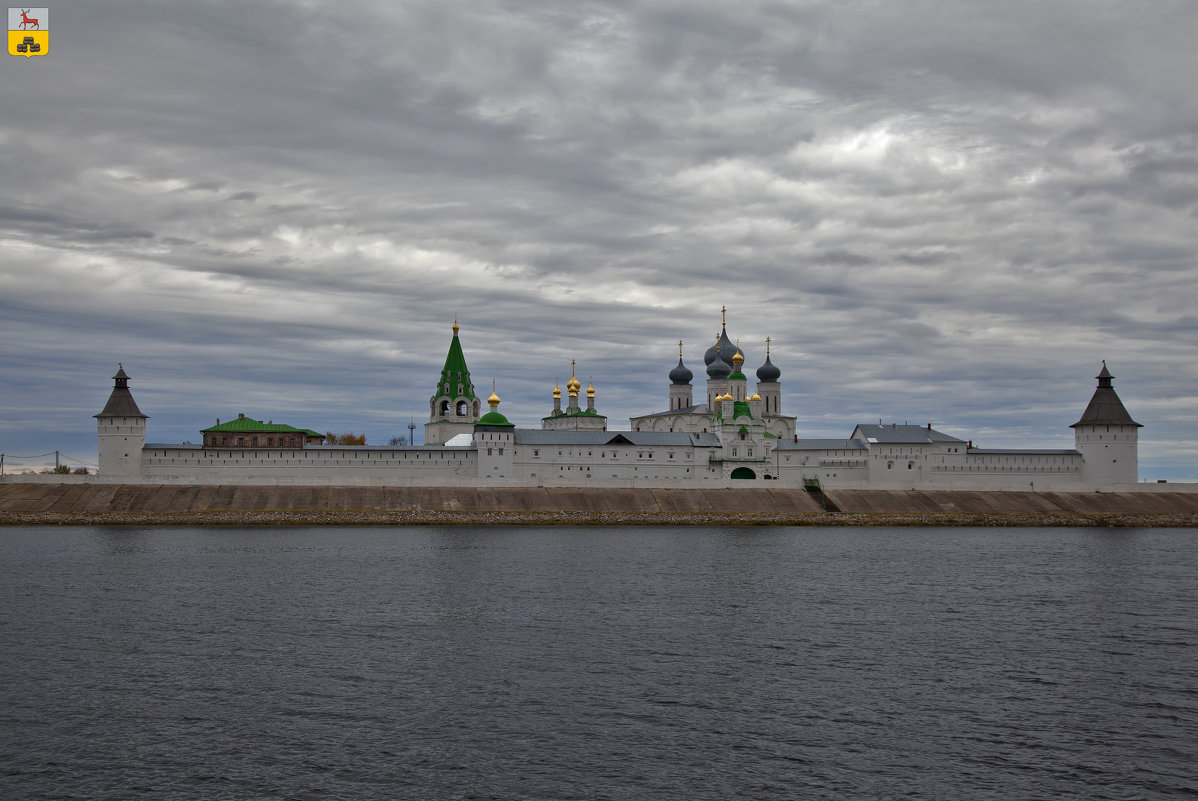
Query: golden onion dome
591	390
755	397
557	391
494	399
737	360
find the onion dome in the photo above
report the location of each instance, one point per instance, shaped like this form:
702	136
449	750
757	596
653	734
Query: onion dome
719	369
557	391
768	372
738	359
755	397
494	417
591	390
573	385
681	374
723	349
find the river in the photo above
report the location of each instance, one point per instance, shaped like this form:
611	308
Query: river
598	663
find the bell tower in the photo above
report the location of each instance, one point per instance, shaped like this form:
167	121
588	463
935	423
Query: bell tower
453	408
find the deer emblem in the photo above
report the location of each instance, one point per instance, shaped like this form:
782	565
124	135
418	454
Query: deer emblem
27	20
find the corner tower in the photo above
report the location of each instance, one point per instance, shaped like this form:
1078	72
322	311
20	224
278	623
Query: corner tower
121	431
453	408
1107	437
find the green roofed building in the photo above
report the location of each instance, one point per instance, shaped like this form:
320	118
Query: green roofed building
453	407
246	432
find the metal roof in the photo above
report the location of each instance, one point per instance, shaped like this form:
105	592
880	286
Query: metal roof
698	409
1105	408
536	436
120	402
823	445
1024	452
243	423
906	434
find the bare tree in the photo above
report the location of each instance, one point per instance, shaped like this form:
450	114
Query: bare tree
348	438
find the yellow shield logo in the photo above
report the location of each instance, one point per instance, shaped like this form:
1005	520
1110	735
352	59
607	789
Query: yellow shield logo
28	31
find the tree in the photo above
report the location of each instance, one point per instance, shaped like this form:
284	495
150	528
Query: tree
398	441
348	438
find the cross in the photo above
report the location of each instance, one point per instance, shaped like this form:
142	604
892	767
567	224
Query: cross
767	347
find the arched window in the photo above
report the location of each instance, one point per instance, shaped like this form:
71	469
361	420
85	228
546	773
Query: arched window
890	465
463	408
445	407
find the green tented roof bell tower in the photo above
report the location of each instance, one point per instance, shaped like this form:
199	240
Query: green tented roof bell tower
453	407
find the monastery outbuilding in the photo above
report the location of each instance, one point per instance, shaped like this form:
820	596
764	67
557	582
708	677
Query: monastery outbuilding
733	434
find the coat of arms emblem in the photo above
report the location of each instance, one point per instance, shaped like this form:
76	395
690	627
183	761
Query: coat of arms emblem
28	31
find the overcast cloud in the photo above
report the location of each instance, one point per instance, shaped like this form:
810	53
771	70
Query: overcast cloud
940	212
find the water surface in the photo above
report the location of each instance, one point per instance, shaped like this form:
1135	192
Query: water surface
598	663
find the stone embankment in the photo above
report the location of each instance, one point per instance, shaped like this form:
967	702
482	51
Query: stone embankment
140	505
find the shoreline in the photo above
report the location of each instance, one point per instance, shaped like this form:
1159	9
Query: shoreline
264	505
403	518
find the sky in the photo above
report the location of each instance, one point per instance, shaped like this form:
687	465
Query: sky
945	213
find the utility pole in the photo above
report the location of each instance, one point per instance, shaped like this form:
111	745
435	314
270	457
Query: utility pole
55	461
411	431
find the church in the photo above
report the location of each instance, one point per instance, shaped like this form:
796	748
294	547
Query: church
729	434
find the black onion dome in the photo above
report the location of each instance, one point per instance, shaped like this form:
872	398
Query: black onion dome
681	374
723	349
768	372
719	369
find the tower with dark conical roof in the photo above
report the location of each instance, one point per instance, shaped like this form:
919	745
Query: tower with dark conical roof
453	408
1107	437
120	431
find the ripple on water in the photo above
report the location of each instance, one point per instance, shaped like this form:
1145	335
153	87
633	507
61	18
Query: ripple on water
597	663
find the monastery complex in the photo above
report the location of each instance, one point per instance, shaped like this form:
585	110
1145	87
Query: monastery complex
718	434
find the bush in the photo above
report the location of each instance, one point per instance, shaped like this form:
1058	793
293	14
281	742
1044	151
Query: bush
348	438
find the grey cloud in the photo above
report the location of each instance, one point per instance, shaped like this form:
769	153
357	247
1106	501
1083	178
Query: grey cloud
951	214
